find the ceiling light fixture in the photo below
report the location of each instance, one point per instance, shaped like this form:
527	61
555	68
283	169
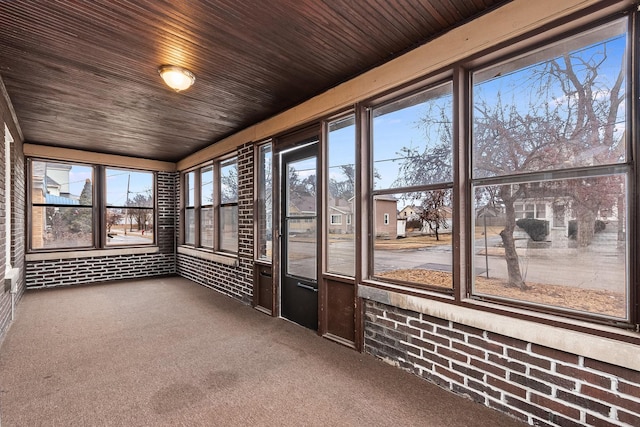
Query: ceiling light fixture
177	78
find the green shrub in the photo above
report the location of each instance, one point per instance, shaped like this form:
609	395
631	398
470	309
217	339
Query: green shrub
572	232
537	229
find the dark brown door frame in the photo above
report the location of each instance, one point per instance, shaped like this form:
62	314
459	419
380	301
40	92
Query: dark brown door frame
280	144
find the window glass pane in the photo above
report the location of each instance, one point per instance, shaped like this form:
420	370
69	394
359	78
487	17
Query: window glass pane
129	216
61	183
129	188
189	227
206	185
61	227
301	247
123	229
301	186
560	107
341	198
229	228
65	217
412	140
573	258
189	185
229	181
206	227
265	203
413	237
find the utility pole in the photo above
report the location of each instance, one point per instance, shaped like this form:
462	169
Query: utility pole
126	214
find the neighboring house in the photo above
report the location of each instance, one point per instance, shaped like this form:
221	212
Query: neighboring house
385	214
58	179
341	213
50	186
557	211
414	213
410	212
304	206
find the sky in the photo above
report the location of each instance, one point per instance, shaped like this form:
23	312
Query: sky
117	182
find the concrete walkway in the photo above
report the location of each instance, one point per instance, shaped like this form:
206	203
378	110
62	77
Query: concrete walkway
169	352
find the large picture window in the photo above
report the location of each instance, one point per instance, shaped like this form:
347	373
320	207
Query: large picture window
211	206
551	177
412	197
70	209
544	172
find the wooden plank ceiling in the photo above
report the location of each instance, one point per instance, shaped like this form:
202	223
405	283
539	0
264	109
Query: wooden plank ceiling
83	74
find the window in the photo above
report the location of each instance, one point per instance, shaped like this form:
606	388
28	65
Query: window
206	207
412	171
69	211
386	217
341	194
62	214
228	229
129	213
545	178
190	208
549	134
211	206
265	203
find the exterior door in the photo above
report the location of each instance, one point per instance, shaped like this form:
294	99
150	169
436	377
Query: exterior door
299	250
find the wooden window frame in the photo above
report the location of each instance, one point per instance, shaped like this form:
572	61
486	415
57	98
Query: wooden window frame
462	182
197	207
98	207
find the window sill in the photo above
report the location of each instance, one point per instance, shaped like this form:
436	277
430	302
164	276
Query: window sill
478	315
43	256
230	260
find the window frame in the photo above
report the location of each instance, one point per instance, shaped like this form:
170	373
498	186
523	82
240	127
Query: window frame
462	180
624	168
263	202
105	206
98	207
216	165
434	83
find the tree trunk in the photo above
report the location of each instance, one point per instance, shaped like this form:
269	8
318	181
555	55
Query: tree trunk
621	218
586	227
509	244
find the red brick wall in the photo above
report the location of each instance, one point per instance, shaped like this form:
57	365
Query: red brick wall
538	385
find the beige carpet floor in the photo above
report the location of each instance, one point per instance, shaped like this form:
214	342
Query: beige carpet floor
169	352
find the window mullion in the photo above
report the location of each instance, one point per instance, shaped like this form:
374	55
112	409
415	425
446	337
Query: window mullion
197	182
462	246
216	206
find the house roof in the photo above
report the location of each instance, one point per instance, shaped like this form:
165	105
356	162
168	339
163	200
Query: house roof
59	200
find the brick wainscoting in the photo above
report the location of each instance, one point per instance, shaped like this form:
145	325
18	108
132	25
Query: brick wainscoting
536	384
104	267
76	271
